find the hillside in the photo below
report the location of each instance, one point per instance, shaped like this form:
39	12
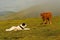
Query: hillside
31	12
3	13
27	13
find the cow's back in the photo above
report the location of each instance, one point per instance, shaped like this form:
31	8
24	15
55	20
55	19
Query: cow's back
46	15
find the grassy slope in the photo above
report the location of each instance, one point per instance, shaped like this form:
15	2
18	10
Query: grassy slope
36	32
27	13
33	11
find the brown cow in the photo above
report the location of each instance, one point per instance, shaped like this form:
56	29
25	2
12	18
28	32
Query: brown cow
47	17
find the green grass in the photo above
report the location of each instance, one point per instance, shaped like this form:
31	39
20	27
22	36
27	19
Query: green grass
36	32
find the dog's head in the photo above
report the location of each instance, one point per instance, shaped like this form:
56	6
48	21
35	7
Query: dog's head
23	24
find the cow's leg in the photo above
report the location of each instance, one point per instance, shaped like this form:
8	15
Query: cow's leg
44	21
49	20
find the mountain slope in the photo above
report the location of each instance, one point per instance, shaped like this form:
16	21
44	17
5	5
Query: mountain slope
33	11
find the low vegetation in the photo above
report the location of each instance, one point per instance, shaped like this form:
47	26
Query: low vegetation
36	32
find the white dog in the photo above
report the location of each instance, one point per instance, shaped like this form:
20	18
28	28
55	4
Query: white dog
20	27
